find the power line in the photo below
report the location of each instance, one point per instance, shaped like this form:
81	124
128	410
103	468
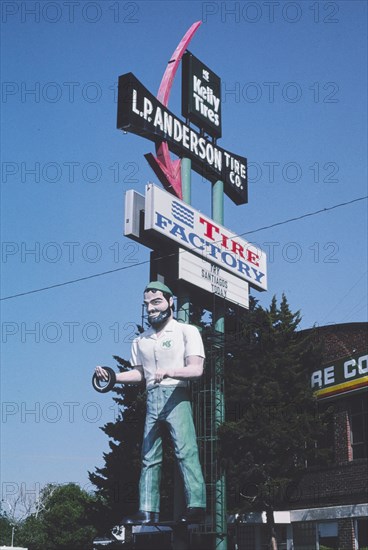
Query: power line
304	216
73	281
345	295
65	283
352	312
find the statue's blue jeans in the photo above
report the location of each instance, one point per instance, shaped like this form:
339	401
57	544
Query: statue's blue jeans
170	405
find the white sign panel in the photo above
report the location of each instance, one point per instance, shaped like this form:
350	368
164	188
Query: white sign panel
191	229
213	279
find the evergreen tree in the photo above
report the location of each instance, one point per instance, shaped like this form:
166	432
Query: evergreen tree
272	421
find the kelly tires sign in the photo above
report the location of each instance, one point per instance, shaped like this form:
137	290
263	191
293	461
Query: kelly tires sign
201	95
141	113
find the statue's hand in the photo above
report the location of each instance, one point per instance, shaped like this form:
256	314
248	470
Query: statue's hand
104	379
161	373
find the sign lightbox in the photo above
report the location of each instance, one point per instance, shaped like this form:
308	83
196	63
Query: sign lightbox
345	375
175	220
201	95
141	113
211	278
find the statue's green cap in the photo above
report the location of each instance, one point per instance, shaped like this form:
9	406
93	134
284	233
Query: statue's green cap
157	285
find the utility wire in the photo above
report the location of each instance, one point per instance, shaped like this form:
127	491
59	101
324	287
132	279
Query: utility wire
72	281
303	216
65	283
352	312
345	295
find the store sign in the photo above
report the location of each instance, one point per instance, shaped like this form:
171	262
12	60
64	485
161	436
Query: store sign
201	95
343	376
175	220
141	113
211	278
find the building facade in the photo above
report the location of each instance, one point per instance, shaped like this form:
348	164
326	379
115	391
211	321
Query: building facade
329	510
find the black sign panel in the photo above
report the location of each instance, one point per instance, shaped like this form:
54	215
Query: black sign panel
201	95
141	113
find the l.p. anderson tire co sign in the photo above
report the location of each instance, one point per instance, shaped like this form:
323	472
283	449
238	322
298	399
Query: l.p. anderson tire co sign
141	113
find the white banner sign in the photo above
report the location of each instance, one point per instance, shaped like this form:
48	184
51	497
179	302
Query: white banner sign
181	223
213	279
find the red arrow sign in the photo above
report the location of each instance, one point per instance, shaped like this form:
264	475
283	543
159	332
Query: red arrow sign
168	171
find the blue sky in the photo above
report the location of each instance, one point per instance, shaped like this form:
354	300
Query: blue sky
293	84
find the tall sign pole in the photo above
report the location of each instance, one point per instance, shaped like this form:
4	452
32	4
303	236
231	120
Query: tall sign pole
186	182
219	327
183	315
195	255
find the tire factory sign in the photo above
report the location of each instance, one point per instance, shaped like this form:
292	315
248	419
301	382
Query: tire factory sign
175	220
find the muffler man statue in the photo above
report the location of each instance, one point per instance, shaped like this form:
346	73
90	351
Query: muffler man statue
166	356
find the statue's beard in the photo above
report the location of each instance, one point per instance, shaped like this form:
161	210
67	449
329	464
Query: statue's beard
158	320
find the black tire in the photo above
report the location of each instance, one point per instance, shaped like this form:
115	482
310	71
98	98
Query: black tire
103	386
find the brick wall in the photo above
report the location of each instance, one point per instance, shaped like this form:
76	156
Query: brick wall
346	534
345	482
332	486
341	340
342	443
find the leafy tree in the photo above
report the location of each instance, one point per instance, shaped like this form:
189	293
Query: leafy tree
63	521
6	526
272	421
32	533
